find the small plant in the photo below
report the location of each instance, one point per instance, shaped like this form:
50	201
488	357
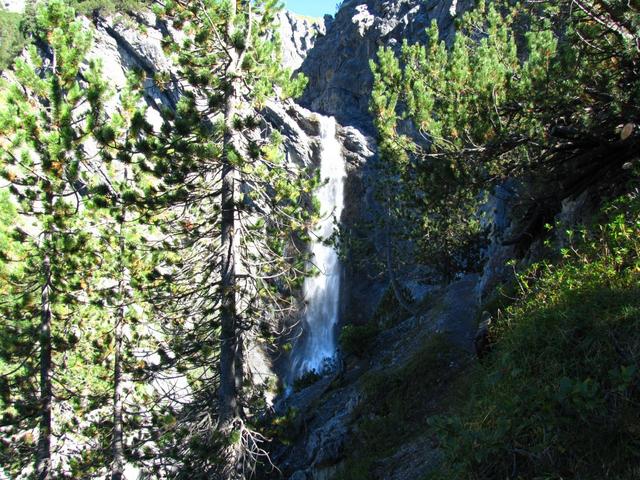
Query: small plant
358	339
286	427
306	380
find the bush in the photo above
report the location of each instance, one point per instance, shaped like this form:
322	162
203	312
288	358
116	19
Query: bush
306	380
559	396
12	41
358	339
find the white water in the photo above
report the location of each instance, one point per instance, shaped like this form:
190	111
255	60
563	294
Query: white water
316	348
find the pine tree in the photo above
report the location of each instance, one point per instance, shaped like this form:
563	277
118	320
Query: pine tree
119	201
237	210
515	96
48	113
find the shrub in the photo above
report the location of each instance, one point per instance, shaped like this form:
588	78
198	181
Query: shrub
358	339
306	380
12	40
559	396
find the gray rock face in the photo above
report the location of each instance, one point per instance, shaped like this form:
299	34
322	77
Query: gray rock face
298	35
338	66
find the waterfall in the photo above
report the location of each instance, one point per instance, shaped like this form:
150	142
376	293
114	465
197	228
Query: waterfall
316	348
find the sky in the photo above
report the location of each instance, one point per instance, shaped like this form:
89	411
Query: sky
312	8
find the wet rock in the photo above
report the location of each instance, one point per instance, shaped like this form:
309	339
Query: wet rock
300	129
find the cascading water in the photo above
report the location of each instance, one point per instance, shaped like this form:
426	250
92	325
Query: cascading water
316	348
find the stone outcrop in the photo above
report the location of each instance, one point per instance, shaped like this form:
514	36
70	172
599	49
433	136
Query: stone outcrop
298	35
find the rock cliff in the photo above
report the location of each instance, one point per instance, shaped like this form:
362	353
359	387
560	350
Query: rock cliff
338	66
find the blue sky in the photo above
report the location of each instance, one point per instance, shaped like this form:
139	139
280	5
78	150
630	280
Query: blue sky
313	8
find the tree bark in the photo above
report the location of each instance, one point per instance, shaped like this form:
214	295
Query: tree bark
228	409
117	444
231	355
43	455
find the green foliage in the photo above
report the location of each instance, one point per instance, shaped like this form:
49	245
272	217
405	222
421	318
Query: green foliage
232	215
40	158
518	89
107	7
285	428
309	378
12	40
358	339
558	397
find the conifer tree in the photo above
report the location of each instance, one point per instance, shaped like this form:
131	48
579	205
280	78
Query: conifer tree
49	110
119	200
516	95
237	210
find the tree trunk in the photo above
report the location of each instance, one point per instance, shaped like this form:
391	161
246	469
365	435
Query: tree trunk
395	286
117	443
229	341
43	455
231	355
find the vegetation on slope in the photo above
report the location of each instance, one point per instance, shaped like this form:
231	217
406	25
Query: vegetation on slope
547	94
397	402
12	40
559	396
